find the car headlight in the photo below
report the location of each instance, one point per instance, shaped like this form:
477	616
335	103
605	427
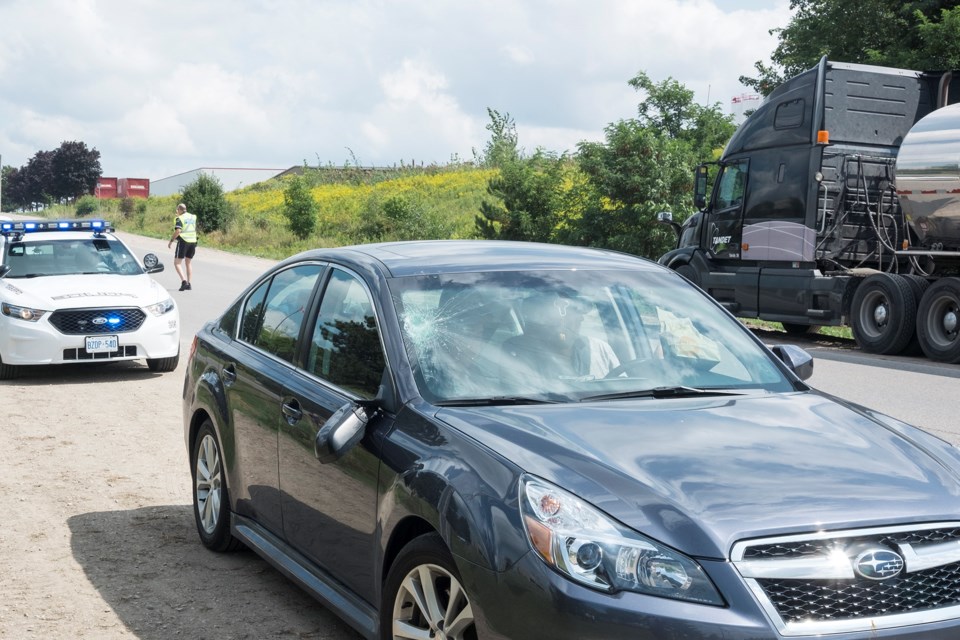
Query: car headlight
161	307
586	545
21	313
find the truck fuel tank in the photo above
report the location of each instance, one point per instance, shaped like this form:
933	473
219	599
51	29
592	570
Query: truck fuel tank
928	178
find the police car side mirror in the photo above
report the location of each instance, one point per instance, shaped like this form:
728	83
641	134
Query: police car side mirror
152	264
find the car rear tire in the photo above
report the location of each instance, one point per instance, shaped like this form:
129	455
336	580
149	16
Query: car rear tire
163	365
883	314
938	321
424	576
8	371
211	502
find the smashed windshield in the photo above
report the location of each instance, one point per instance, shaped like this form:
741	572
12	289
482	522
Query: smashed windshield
34	258
570	336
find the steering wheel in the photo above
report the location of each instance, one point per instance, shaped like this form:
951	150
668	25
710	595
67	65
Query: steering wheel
633	368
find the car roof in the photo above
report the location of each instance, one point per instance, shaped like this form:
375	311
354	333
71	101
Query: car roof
427	257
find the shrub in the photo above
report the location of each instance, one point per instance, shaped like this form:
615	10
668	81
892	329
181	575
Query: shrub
204	198
299	208
127	206
87	206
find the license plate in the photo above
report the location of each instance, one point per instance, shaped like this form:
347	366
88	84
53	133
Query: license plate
102	344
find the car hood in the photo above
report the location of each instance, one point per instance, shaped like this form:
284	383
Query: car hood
700	474
80	291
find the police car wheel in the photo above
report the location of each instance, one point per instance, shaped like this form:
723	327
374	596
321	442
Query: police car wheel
211	502
161	365
8	371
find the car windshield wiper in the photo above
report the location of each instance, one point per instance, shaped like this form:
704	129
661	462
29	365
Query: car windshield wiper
678	391
493	401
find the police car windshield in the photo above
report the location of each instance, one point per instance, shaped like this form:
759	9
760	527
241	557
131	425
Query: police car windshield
31	258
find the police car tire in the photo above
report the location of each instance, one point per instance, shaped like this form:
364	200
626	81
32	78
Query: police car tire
9	371
161	365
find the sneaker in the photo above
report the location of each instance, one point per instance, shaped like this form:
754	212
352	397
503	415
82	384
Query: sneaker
188	287
184	285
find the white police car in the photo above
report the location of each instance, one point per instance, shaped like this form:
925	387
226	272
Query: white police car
71	291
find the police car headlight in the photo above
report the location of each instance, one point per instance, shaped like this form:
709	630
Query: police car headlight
161	307
21	313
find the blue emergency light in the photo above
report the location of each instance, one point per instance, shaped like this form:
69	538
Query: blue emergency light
18	228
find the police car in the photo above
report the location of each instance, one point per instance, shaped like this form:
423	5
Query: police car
71	291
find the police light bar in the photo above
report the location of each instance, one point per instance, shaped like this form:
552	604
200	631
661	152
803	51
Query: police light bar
29	226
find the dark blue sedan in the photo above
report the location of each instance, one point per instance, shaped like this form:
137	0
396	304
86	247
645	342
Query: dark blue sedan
472	439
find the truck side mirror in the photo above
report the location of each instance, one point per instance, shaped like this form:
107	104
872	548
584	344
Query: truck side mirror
665	217
700	187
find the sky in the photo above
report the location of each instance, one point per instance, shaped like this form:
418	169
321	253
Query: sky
160	87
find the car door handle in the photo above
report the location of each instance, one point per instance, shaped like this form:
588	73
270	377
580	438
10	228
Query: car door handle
291	411
229	375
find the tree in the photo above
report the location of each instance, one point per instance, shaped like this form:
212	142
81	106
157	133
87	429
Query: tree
37	179
502	146
529	198
922	34
204	198
299	207
75	170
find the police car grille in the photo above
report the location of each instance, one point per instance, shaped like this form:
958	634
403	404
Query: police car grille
823	600
94	321
125	351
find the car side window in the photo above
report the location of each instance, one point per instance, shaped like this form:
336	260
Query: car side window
345	347
275	312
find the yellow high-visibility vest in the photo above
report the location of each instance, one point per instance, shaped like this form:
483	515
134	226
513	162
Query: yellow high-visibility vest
187	223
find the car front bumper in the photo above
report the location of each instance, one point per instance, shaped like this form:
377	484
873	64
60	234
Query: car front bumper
25	343
531	600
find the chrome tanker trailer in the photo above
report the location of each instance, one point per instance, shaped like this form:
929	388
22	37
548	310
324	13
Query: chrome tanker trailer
838	202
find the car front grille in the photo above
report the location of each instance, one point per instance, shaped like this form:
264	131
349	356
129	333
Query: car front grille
128	351
97	321
828	582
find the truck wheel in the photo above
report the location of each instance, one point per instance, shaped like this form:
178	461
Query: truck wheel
919	284
883	314
938	321
689	273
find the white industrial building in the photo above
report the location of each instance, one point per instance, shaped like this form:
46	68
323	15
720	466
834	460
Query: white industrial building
230	179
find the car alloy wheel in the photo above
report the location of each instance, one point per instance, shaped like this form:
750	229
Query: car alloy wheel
211	506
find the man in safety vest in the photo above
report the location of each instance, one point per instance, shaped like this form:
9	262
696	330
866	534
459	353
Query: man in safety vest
185	234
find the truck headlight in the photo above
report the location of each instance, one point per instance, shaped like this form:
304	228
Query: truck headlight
587	546
161	307
21	313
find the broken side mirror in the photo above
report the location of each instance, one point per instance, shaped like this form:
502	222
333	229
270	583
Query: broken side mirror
342	431
797	360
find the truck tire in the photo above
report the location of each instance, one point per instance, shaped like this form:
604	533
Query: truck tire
883	314
689	273
919	284
937	321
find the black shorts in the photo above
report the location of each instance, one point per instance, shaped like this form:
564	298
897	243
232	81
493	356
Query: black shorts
185	249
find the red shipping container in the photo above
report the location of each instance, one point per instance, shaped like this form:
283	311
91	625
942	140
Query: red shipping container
106	188
133	188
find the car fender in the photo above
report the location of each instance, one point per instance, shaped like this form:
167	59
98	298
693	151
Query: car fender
472	506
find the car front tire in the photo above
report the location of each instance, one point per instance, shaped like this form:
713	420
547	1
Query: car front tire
424	597
8	371
163	365
211	503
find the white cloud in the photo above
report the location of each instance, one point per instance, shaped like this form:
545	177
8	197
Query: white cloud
164	86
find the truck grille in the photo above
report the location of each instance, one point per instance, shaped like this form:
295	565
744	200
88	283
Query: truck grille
858	580
95	321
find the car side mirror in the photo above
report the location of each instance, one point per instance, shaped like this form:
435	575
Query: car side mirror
797	360
152	264
341	432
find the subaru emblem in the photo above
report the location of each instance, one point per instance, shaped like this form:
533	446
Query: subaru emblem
99	320
878	564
